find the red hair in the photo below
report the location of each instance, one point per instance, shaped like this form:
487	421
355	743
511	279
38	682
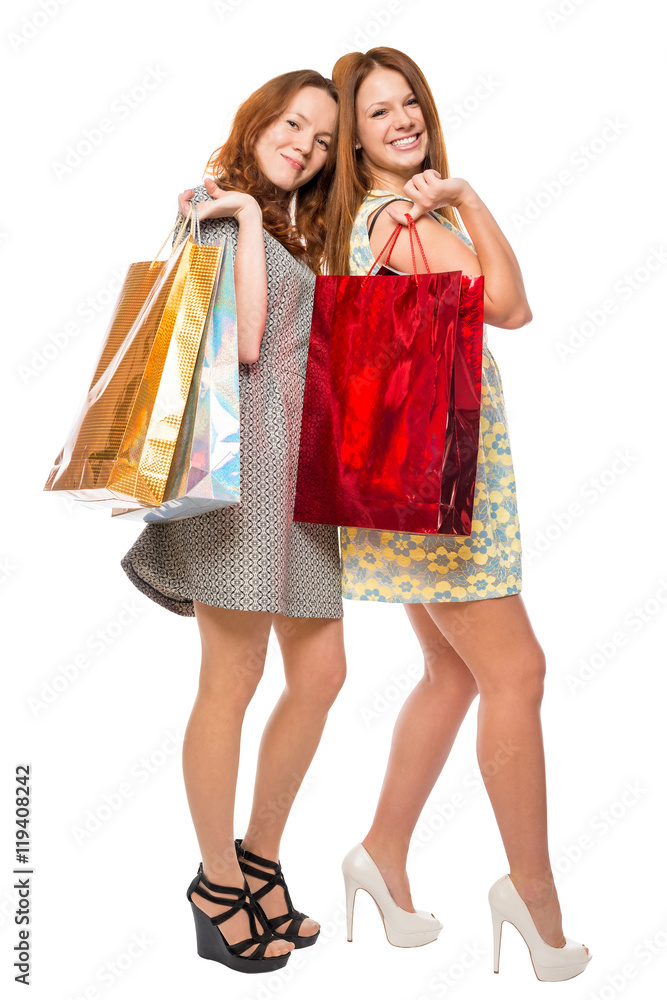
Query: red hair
352	181
235	168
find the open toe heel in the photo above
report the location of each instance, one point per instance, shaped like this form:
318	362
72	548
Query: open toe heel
551	965
213	945
275	877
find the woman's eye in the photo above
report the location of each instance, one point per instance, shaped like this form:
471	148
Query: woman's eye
292	123
324	143
413	100
380	111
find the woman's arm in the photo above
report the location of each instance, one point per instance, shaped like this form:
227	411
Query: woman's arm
250	282
505	301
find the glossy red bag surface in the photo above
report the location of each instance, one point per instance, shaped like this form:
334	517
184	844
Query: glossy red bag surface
390	426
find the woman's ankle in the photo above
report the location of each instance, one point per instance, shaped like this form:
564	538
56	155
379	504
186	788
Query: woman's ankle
263	848
538	890
388	849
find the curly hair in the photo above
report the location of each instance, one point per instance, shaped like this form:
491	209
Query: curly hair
295	218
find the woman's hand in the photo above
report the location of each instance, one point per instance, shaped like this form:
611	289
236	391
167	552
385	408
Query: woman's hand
429	191
224	204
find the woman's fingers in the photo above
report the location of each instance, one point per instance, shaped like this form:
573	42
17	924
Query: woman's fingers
212	188
400	215
397	217
183	201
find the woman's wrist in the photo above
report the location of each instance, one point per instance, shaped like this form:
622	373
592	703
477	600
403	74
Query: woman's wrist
249	208
468	198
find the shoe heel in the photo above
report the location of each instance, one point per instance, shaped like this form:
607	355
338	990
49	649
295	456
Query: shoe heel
497	919
551	965
207	946
350	892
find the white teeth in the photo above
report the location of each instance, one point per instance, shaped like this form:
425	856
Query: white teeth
404	142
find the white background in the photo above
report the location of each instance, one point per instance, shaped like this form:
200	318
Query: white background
535	90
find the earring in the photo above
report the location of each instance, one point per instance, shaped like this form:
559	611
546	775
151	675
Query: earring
358	145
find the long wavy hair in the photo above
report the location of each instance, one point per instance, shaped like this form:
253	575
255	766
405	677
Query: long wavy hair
352	180
296	219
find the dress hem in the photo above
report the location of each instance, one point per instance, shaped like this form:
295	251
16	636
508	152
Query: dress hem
184	607
508	592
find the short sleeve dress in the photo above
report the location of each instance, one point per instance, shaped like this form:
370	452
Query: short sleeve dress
252	556
394	567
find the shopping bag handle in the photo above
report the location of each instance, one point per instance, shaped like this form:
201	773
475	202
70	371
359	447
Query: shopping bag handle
191	219
392	240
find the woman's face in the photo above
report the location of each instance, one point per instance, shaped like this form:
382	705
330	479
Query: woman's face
292	149
390	124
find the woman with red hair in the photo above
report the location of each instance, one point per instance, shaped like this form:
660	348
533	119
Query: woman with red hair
247	568
461	594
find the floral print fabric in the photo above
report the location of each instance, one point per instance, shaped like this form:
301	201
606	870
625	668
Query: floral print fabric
402	568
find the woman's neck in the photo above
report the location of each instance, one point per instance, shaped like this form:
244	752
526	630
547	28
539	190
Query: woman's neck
387	180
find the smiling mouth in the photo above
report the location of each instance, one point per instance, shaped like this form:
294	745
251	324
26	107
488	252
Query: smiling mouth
293	163
407	142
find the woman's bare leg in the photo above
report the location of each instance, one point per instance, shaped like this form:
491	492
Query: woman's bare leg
423	737
314	661
233	652
501	650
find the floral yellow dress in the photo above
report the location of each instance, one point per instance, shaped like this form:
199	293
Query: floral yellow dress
393	567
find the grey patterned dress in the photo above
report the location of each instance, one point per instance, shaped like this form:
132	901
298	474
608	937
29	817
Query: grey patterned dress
251	556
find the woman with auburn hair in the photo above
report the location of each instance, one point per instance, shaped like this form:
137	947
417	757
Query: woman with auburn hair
461	594
244	569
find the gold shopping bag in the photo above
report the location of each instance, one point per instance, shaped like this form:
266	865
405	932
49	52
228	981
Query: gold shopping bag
121	445
205	471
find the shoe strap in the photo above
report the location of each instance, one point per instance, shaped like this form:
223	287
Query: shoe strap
277	879
242	900
255	858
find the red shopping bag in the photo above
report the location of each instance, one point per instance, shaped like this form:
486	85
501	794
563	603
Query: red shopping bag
390	425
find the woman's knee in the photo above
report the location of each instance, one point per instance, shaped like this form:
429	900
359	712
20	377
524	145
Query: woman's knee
320	684
520	677
234	680
445	670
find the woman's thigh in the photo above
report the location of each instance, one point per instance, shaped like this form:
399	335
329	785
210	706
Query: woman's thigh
234	644
313	654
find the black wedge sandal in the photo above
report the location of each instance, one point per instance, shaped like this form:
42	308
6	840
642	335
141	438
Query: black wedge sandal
273	878
210	941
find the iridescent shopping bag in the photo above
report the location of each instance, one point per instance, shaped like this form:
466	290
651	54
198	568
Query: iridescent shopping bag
121	446
206	467
390	426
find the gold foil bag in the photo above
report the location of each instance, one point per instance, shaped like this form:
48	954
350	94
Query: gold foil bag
121	446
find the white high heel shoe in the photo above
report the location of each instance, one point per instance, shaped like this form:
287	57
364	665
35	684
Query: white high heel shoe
551	965
403	929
